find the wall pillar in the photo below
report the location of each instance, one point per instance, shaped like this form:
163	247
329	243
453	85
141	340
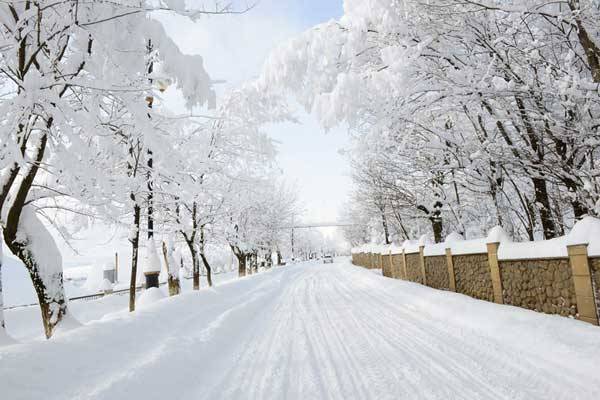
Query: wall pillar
422	258
586	305
492	249
451	276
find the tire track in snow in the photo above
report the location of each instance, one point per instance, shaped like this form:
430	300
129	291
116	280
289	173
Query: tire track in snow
490	352
300	332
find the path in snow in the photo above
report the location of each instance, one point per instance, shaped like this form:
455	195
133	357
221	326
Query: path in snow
312	331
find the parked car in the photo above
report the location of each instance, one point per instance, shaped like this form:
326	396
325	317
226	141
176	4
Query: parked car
327	258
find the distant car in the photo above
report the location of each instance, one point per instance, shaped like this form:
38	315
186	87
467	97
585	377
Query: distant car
328	258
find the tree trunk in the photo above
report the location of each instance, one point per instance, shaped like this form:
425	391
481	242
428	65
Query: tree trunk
208	269
172	276
203	256
543	202
437	226
435	217
249	269
241	264
150	197
195	265
592	51
135	244
2	324
53	304
45	269
386	232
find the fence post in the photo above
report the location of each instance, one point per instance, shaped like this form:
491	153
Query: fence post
422	258
116	267
492	249
451	276
586	305
391	265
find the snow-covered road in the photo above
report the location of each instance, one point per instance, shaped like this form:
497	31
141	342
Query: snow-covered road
312	331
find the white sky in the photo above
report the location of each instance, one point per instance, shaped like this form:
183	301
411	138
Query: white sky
234	48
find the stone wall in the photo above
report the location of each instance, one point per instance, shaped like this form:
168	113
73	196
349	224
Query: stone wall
386	267
550	285
473	278
413	268
436	272
595	271
544	285
398	270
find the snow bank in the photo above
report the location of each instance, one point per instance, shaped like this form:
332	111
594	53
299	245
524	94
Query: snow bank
149	297
554	248
394	249
94	278
106	286
453	237
497	235
435	249
410	246
68	323
5	340
152	262
586	231
473	246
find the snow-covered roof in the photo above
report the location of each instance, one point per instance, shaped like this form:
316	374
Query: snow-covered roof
108	267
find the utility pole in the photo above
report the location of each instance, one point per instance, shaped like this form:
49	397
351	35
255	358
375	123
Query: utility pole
292	244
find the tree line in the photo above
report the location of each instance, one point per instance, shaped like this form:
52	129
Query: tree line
86	135
464	114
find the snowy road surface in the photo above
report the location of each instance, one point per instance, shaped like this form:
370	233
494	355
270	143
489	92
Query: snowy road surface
312	331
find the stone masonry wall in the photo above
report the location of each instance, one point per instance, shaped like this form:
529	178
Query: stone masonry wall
473	277
543	285
413	268
436	270
540	285
397	271
386	267
595	271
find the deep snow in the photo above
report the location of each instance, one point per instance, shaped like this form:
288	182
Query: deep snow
311	331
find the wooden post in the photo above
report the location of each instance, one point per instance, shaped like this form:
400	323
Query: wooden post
116	267
451	276
405	277
492	249
422	258
391	265
586	305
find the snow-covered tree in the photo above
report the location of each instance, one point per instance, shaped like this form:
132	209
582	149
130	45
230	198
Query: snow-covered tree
464	114
75	103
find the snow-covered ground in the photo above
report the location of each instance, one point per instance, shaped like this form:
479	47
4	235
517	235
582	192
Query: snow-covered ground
309	331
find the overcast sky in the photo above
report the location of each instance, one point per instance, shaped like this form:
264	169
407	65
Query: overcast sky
234	48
